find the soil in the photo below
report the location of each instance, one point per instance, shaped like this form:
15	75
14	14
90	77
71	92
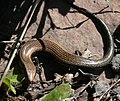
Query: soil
57	21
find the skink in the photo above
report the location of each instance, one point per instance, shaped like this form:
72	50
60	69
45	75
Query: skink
62	55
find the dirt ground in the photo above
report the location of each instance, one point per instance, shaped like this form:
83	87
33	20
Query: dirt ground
57	21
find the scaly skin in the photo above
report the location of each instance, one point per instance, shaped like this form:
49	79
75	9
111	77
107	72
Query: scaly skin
62	55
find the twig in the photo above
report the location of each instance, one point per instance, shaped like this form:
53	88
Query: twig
109	89
17	44
7	42
77	95
101	10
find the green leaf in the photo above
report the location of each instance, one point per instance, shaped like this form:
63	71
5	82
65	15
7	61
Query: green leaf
10	73
12	78
15	77
62	91
8	83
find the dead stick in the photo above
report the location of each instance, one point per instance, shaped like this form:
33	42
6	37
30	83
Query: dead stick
17	45
109	89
